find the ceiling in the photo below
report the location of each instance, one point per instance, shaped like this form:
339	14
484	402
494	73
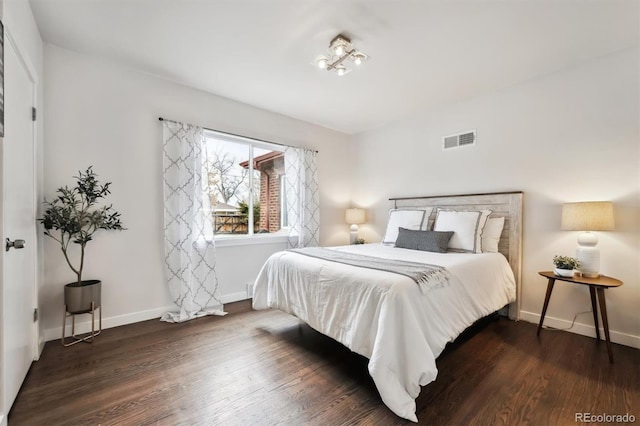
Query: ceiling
424	54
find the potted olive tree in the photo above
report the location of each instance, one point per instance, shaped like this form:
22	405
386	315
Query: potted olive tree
73	217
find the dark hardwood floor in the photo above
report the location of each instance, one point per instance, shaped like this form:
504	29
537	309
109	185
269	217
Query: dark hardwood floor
266	368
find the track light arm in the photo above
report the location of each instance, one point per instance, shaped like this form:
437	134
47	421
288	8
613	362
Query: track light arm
340	60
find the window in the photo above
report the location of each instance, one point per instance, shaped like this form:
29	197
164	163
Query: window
243	180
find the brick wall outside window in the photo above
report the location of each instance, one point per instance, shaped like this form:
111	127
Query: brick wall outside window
270	172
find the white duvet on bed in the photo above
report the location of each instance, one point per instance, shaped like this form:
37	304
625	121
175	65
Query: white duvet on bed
384	316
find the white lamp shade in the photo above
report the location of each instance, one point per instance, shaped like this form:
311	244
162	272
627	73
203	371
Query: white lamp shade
355	216
588	216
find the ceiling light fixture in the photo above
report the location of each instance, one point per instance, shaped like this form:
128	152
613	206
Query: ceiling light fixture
340	49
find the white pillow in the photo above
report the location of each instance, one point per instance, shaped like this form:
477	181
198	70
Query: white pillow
491	234
413	219
467	227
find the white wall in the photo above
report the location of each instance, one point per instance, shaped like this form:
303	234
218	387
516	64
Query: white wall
569	136
101	114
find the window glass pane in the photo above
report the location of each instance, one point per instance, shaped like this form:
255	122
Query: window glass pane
227	174
269	167
242	175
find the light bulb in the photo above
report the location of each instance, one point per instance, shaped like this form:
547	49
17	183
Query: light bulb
358	59
339	50
322	63
341	70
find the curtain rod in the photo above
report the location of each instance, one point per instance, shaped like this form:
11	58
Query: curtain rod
239	136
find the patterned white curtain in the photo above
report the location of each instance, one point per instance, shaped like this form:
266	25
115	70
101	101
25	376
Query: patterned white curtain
190	262
303	197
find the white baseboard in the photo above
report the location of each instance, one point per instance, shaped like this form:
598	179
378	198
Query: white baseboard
583	329
234	297
84	326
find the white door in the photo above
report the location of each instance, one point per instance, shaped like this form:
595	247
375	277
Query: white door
19	222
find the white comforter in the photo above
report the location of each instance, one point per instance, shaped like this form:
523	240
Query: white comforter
384	316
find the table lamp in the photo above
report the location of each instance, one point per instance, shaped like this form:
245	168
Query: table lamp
354	217
587	217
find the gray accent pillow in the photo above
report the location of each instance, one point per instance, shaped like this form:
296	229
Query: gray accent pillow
435	241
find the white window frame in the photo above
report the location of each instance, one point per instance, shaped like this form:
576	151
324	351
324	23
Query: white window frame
283	202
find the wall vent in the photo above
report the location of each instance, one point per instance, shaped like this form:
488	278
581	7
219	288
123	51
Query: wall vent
459	140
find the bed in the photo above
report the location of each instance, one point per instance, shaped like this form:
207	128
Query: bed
402	324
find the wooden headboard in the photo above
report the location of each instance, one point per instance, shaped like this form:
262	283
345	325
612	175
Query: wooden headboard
502	204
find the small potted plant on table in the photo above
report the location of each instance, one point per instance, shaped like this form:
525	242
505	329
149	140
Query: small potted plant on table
565	265
73	217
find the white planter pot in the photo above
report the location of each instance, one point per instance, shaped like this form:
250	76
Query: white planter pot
563	272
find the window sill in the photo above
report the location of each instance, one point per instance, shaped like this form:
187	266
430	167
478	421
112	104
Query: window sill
250	240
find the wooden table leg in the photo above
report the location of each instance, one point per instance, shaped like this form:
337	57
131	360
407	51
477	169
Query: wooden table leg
594	308
546	303
605	322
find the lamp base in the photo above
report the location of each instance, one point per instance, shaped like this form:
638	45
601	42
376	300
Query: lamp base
589	258
353	236
590	275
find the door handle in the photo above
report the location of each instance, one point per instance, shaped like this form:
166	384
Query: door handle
17	244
